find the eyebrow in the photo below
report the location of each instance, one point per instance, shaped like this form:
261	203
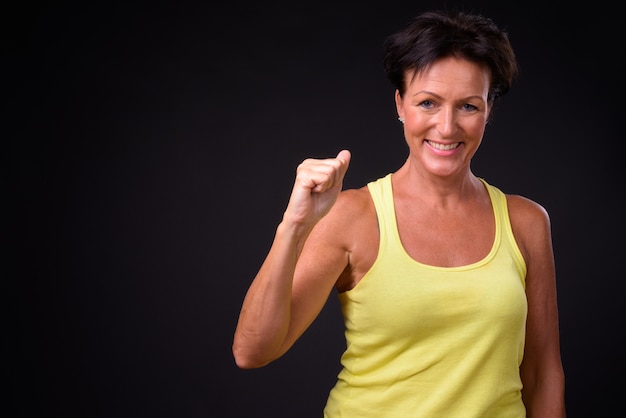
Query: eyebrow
439	97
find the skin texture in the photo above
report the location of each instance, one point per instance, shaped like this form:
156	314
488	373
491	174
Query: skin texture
328	238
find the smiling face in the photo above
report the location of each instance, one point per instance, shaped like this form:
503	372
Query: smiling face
445	110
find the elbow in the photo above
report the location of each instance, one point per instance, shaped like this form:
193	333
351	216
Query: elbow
252	352
247	364
247	361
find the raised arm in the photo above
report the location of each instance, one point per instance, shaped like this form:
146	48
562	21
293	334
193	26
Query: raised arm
273	316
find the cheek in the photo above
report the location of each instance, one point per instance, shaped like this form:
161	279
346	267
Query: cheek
418	121
475	128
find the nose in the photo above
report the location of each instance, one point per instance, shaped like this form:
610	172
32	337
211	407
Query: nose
446	122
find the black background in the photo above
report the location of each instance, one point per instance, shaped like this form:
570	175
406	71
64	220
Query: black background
152	147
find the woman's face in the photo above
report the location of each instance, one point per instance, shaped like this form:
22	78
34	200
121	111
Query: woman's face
445	110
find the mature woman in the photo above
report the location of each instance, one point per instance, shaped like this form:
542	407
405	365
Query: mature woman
447	285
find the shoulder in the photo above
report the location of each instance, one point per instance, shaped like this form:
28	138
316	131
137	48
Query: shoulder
526	212
351	205
354	199
355	230
530	222
352	215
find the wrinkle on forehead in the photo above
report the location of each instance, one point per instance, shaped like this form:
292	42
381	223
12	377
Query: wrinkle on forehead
452	71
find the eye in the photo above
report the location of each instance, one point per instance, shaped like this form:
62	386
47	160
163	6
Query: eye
469	107
427	104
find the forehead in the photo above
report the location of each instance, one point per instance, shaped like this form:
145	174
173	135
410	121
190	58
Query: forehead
451	72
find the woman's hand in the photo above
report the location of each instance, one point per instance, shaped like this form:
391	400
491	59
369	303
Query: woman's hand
317	185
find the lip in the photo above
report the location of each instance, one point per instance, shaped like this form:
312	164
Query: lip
443	148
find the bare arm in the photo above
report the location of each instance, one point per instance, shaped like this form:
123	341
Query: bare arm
541	370
273	316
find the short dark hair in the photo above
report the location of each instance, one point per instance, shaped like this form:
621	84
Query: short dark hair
438	34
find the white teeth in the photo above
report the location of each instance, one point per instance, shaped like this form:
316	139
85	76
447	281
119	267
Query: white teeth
444	147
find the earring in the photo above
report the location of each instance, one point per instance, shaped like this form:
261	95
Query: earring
401	120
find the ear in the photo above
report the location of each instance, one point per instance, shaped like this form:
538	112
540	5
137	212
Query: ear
399	107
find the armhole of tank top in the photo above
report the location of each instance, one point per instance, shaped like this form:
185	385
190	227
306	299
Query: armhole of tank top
520	263
506	229
374	189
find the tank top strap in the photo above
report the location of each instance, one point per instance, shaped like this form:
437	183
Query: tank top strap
503	225
382	196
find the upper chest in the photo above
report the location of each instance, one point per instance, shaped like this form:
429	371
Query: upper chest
450	237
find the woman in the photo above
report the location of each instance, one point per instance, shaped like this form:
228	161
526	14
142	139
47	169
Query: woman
447	285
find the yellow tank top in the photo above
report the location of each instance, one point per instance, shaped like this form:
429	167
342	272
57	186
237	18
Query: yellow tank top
430	342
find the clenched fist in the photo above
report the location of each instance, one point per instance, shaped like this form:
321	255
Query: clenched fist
315	190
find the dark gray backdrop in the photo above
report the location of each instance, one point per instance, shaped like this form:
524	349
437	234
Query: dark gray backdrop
151	152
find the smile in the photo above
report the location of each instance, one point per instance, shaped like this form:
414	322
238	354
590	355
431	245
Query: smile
443	147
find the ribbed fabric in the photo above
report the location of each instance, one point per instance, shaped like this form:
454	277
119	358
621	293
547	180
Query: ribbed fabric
428	342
